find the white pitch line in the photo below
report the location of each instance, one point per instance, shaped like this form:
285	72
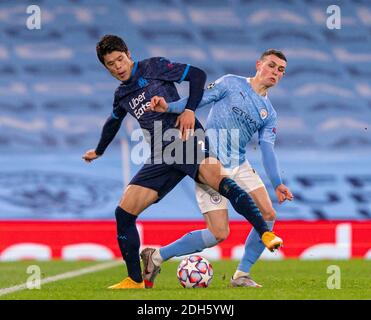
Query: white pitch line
63	276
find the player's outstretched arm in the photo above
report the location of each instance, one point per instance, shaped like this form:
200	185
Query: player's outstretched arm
215	92
270	163
186	120
109	131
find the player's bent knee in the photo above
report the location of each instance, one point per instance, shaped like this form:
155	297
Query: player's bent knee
137	198
130	207
221	234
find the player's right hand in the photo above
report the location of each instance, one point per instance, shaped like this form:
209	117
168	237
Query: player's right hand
90	155
186	122
283	193
158	104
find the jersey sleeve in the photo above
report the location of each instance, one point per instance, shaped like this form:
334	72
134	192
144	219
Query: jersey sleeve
214	92
118	112
111	127
163	69
267	139
268	132
270	163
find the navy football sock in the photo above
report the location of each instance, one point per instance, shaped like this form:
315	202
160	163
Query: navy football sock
243	204
129	242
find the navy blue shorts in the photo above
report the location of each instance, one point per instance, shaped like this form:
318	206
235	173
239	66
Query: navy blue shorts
164	176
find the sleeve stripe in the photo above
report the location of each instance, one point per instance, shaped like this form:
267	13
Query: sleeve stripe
114	116
184	73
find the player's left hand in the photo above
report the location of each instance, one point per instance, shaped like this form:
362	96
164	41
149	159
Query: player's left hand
157	104
283	193
186	123
90	155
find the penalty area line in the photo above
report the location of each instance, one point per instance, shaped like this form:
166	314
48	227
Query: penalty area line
63	276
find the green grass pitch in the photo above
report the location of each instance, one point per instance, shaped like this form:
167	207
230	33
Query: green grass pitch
287	279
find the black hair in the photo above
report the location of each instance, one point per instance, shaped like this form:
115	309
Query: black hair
108	44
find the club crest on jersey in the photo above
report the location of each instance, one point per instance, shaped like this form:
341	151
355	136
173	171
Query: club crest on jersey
263	113
211	85
142	82
215	198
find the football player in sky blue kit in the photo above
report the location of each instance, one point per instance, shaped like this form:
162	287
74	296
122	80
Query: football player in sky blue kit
241	105
140	81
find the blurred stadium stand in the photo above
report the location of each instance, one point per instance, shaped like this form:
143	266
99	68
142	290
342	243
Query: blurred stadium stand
55	96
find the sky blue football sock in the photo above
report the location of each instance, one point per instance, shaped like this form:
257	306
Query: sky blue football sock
194	241
254	247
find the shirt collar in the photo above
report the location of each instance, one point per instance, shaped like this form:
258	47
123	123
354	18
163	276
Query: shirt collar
135	67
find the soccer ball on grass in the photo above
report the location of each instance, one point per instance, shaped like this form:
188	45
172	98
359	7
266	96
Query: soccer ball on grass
195	272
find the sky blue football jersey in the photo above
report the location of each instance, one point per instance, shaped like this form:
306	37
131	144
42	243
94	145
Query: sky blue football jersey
237	113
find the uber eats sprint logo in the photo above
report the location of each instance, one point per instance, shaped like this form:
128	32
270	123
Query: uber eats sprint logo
34	20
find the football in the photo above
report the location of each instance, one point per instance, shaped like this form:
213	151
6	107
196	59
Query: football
195	272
